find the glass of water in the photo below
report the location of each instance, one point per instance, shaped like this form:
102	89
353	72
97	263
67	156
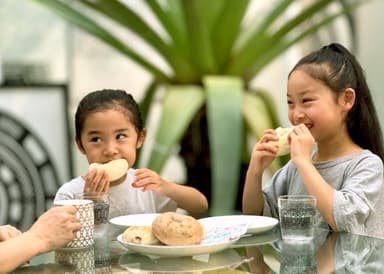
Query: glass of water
100	211
296	214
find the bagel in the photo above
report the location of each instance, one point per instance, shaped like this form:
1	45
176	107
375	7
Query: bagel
115	168
283	142
172	228
140	235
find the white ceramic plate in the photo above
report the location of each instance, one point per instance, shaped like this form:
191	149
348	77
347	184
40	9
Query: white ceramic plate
177	251
255	224
134	220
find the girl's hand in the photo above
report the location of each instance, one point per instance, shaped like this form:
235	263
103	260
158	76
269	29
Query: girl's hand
148	180
263	152
302	143
96	182
7	232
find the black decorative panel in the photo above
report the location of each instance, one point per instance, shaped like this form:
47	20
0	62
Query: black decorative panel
35	156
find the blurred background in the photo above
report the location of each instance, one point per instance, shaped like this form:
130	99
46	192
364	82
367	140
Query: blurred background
48	64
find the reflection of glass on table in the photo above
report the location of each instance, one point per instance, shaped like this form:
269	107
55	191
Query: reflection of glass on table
298	258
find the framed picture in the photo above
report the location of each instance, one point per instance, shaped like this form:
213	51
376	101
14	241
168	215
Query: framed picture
35	150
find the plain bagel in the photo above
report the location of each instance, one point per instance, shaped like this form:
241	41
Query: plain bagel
172	228
283	142
140	235
115	168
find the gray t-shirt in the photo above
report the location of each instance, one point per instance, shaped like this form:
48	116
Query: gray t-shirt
358	184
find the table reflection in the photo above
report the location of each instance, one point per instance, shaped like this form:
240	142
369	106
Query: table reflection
134	262
328	253
83	260
259	253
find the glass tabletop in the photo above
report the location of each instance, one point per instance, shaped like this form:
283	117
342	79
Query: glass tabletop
253	253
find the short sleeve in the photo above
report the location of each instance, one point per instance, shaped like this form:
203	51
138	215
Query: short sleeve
359	196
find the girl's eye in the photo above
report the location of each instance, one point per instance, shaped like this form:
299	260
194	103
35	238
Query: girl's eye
306	100
120	136
95	139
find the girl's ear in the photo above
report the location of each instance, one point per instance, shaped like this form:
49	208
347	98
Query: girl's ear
141	138
348	99
80	146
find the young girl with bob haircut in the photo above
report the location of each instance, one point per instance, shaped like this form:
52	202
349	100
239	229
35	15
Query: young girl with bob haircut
336	147
108	127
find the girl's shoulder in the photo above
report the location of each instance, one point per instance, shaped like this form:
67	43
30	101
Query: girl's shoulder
68	189
75	182
363	155
358	159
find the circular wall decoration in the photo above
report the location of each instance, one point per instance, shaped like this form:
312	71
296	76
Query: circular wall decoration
28	178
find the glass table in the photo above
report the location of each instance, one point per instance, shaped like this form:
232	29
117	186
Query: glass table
259	253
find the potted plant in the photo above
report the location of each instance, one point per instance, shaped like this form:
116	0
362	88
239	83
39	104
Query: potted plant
209	107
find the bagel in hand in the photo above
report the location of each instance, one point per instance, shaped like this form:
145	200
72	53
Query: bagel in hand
172	228
283	142
115	168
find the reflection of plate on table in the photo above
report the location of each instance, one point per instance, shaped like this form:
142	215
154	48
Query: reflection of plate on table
256	224
145	219
267	237
177	251
221	259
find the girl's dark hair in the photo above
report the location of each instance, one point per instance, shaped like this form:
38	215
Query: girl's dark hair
101	100
337	68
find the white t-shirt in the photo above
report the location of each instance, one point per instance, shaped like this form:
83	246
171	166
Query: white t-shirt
123	198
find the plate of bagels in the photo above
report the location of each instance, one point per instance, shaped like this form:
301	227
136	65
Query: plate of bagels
173	234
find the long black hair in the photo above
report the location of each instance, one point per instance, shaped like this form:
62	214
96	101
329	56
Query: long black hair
338	68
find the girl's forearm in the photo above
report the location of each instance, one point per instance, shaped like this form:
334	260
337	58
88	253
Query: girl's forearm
318	187
253	200
188	198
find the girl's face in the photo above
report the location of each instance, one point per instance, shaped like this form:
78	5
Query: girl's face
109	135
312	103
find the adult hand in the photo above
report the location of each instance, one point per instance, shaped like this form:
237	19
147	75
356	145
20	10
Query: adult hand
7	232
55	228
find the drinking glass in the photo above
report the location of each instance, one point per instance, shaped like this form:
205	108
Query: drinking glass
296	214
100	209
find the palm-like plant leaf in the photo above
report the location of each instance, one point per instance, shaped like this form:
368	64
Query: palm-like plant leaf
224	103
179	106
84	22
253	53
207	37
